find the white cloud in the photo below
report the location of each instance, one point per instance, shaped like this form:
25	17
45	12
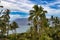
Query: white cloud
48	16
52	11
10	6
15	16
11	0
21	5
53	3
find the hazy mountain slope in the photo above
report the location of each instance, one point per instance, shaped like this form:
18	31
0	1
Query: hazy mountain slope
23	24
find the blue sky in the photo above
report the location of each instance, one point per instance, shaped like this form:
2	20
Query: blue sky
20	8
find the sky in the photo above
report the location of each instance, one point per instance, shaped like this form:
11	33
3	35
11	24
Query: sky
20	8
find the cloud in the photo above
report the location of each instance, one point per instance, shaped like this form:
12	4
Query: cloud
16	16
20	5
53	3
13	17
58	5
24	5
9	0
52	11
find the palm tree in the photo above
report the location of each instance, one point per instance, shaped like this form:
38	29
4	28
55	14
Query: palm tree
6	18
55	21
11	28
14	25
37	15
5	22
3	30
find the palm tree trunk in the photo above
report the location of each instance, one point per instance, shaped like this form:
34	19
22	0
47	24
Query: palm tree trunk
36	28
15	34
8	29
7	32
35	33
2	34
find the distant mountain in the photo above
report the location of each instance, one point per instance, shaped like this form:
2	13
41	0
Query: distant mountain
22	21
23	24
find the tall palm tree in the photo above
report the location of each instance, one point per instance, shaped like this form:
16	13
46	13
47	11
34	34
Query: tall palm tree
2	25
6	18
5	22
37	15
